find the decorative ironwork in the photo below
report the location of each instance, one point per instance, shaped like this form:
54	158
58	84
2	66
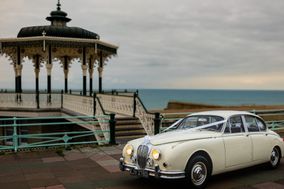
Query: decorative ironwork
100	113
146	118
124	105
84	105
118	104
79	104
14	100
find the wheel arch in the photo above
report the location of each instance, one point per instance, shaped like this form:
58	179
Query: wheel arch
278	147
204	154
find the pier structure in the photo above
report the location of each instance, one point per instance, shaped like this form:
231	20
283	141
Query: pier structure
46	45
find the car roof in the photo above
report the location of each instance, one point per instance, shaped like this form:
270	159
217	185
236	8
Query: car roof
224	113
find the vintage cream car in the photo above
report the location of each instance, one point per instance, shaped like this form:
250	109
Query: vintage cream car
204	144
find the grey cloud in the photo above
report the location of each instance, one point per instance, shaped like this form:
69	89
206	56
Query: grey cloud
165	41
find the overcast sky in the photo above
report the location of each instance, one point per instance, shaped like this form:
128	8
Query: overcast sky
188	44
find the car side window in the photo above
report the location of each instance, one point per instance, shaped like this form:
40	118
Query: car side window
251	123
235	125
261	125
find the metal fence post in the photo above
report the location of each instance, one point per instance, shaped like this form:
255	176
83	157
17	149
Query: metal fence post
134	103
37	99
112	129
61	98
94	103
157	123
15	135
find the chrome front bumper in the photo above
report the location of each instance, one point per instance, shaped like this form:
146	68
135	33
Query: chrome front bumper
147	172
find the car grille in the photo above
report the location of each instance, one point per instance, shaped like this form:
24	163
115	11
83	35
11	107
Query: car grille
142	156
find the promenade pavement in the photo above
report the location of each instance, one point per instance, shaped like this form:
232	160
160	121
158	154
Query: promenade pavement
97	168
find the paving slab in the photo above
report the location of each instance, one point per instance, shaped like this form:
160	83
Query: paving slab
269	185
74	155
43	183
52	159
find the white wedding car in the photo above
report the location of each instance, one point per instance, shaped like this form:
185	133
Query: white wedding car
204	144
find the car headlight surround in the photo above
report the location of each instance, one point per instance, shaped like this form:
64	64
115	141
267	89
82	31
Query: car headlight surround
129	149
156	154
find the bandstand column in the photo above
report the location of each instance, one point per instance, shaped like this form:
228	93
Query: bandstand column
48	69
18	78
66	71
100	70
84	69
37	70
91	72
18	72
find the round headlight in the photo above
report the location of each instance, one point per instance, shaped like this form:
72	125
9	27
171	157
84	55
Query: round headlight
156	154
129	149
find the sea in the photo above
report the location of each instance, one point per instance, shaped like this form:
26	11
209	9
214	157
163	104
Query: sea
155	99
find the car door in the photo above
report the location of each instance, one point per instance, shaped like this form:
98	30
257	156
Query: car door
260	139
238	146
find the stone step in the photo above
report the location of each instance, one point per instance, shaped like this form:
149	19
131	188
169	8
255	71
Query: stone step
128	138
128	122
128	127
130	133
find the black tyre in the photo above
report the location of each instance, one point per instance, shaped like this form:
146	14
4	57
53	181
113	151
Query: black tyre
275	158
198	171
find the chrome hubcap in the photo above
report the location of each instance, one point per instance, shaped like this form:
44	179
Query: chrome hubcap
198	173
274	157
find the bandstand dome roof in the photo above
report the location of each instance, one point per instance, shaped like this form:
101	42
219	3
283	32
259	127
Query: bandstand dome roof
54	31
58	28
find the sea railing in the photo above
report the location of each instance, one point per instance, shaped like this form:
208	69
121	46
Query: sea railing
275	125
26	133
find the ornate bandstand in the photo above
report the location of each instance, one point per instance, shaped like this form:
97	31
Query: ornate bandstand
46	45
57	42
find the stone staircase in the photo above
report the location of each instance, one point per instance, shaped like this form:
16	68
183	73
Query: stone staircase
128	128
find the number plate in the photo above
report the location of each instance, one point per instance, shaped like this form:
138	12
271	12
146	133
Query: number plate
143	173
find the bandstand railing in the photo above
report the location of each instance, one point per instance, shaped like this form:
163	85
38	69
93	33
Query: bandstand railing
103	104
15	139
29	100
130	106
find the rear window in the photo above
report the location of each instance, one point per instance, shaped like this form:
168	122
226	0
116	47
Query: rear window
254	124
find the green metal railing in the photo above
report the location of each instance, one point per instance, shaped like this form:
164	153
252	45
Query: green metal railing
49	139
275	125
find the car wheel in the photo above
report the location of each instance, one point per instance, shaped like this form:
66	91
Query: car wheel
198	171
275	158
